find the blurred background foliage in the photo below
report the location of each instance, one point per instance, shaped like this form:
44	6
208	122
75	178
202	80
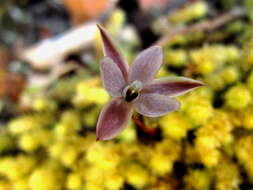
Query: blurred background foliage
50	99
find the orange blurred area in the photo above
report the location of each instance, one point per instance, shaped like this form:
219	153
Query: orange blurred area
83	10
11	86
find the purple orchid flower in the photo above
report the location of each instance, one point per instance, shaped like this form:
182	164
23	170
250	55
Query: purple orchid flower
135	87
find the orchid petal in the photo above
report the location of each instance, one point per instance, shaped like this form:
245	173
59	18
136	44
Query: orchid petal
111	51
113	119
113	80
172	86
146	65
155	105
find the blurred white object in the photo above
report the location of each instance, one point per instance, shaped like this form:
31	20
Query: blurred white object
44	54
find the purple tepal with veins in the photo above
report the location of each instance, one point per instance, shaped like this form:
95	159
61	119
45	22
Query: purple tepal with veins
134	88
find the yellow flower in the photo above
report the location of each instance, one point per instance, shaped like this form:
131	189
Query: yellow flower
247	58
7	142
207	150
165	147
162	73
69	155
250	81
160	164
90	118
198	180
114	181
29	123
116	22
215	81
167	184
21	184
90	94
243	149
62	130
57	149
29	142
4	185
198	111
210	158
194	11
93	185
44	104
71	118
101	156
129	134
16	168
227	175
23	124
230	74
74	181
211	58
174	125
136	175
45	178
206	67
175	58
94	174
238	97
219	128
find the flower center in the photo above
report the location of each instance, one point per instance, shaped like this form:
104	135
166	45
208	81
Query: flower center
132	91
131	95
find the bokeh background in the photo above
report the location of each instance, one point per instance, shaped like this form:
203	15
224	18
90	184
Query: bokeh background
51	95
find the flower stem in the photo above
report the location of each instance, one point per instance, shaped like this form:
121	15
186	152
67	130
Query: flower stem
142	126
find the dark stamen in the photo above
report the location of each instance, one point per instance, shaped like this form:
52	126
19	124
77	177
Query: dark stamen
131	95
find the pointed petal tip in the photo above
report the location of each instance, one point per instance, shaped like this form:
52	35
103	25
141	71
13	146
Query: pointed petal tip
199	84
194	83
112	51
100	27
101	30
113	119
158	47
146	65
172	86
102	139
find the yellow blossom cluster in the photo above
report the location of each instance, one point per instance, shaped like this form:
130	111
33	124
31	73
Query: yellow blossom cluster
206	144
